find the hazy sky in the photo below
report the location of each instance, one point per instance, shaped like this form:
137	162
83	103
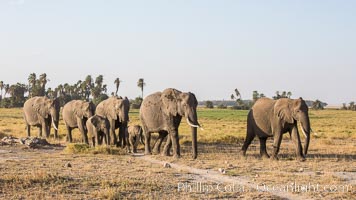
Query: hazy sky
206	47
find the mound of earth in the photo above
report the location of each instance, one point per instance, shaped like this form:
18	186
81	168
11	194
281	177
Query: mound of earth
32	142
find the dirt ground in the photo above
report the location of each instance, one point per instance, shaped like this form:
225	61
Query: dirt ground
218	173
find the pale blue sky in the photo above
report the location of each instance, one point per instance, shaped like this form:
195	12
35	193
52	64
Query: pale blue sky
206	47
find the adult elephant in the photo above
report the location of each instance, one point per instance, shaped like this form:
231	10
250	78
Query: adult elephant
162	112
75	114
273	118
41	112
116	110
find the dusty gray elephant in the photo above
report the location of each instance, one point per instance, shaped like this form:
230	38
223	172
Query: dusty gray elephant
75	114
116	110
41	112
134	135
98	128
162	112
273	118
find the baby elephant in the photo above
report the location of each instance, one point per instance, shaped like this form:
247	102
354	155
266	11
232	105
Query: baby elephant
98	127
133	134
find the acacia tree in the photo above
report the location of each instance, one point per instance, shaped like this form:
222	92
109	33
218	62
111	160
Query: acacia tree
318	105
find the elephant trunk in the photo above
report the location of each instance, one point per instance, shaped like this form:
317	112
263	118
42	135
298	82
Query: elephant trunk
192	121
305	126
194	142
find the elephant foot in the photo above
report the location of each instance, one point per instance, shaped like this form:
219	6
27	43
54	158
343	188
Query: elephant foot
155	152
274	158
301	159
148	153
176	156
165	153
265	156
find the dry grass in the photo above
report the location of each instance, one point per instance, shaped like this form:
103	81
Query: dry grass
106	173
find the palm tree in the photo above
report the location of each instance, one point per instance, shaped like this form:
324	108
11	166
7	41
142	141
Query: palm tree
7	89
43	81
99	81
232	96
117	84
289	94
31	83
1	87
88	86
141	83
238	94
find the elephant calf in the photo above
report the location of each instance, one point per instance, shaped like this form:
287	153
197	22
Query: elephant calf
98	127
133	134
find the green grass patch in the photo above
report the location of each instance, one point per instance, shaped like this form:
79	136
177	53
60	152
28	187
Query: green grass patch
86	149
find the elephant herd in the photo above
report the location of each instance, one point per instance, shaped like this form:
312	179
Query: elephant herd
161	113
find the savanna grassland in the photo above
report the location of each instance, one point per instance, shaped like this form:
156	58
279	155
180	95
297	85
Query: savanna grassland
58	172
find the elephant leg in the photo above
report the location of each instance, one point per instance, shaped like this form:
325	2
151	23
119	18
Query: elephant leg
167	147
122	141
69	135
45	129
83	131
263	149
158	143
276	144
113	138
249	138
40	131
147	142
93	141
175	143
297	143
28	128
99	138
130	143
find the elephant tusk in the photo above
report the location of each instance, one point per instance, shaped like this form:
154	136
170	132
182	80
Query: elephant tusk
301	127
54	126
195	126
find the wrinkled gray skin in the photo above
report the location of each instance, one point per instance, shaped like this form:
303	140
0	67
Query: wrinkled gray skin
98	128
41	112
162	112
273	118
116	110
134	135
75	114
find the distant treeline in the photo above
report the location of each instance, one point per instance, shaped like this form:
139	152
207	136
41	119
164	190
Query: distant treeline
95	90
88	89
237	103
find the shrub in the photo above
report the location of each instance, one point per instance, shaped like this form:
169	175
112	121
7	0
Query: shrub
209	104
222	106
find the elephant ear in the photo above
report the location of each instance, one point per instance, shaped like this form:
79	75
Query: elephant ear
283	111
79	113
113	107
170	98
77	109
41	109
